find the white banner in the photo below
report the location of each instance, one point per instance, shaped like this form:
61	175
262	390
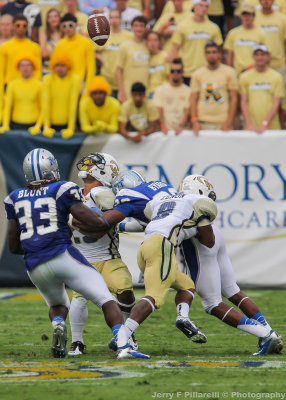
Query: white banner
248	172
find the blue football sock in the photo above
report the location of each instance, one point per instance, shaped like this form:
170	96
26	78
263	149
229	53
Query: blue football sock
259	317
119	334
252	327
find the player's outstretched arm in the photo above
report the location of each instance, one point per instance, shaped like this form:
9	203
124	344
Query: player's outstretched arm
113	217
14	242
88	220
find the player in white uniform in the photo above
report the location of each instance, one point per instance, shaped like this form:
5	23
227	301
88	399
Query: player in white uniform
38	216
97	171
156	256
212	272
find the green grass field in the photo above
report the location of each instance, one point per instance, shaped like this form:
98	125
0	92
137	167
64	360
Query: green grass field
219	369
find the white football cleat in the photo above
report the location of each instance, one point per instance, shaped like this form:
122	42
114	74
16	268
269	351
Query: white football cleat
127	352
272	343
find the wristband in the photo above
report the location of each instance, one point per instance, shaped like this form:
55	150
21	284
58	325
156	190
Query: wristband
146	12
164	26
162	126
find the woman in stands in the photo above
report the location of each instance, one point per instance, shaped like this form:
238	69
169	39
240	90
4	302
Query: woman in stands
50	36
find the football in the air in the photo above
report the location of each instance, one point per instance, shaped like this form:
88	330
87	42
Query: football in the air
98	28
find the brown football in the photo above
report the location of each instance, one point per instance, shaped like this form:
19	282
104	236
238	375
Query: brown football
98	28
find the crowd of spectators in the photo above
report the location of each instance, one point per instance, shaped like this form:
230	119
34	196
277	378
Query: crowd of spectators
167	66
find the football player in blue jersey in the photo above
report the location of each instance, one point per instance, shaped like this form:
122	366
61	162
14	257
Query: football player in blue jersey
37	228
213	274
132	196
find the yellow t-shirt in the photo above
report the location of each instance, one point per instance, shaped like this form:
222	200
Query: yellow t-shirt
169	6
81	51
216	8
278	5
213	87
138	118
89	114
274	26
133	58
178	17
158	70
82	20
109	53
192	36
241	42
46	5
9	52
23	102
173	100
135	4
260	87
60	109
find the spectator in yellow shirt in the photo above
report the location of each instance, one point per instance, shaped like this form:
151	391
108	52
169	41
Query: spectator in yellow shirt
240	41
273	23
99	112
79	48
261	90
158	63
172	100
168	22
191	36
138	114
214	90
61	91
10	50
107	54
6	33
82	18
132	61
23	99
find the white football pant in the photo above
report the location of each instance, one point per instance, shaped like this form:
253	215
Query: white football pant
69	268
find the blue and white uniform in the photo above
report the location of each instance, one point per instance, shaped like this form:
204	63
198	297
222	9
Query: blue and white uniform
132	202
51	260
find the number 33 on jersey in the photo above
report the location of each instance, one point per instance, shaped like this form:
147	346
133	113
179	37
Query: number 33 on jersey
42	216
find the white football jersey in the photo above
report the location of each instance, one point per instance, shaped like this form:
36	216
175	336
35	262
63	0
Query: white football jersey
172	213
106	247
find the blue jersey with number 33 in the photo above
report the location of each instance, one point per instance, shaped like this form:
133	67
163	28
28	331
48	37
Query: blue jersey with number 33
42	216
132	202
